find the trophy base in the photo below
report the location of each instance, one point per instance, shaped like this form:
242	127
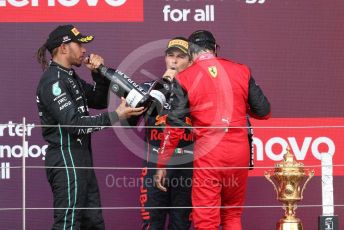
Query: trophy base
285	224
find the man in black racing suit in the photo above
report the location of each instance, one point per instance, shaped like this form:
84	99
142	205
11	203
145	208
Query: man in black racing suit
180	173
63	100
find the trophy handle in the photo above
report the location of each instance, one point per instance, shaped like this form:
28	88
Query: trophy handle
310	175
268	177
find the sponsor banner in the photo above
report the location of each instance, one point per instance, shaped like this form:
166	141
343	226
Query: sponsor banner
71	11
13	148
307	139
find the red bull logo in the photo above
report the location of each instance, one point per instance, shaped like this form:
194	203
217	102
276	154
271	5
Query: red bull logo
143	196
162	120
157	135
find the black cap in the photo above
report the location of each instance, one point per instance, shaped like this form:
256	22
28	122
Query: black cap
179	43
65	34
202	38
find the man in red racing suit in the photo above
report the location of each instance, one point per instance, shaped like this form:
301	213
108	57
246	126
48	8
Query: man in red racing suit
218	94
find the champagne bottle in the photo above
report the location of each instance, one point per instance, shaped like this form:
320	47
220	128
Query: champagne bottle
135	96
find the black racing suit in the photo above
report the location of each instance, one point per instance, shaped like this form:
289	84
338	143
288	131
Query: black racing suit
179	181
63	100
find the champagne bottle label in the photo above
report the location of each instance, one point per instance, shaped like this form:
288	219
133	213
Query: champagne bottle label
159	96
134	97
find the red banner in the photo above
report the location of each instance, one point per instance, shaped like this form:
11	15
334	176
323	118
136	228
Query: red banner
71	11
307	139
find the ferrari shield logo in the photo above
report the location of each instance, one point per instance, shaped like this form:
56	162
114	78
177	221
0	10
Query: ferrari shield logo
213	71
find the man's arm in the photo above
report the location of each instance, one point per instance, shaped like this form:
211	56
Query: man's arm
175	124
59	103
97	94
259	106
172	133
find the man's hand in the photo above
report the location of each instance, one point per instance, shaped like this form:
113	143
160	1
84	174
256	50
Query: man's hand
159	179
123	111
170	74
93	62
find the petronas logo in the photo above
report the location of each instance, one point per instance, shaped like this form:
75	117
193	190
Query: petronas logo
56	89
213	71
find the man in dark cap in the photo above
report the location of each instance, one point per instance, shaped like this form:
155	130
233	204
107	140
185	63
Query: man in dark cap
179	175
63	100
218	93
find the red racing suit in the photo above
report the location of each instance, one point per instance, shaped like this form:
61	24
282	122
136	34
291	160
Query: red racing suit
217	94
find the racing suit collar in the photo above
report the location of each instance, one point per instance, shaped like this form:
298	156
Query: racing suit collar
70	72
204	56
